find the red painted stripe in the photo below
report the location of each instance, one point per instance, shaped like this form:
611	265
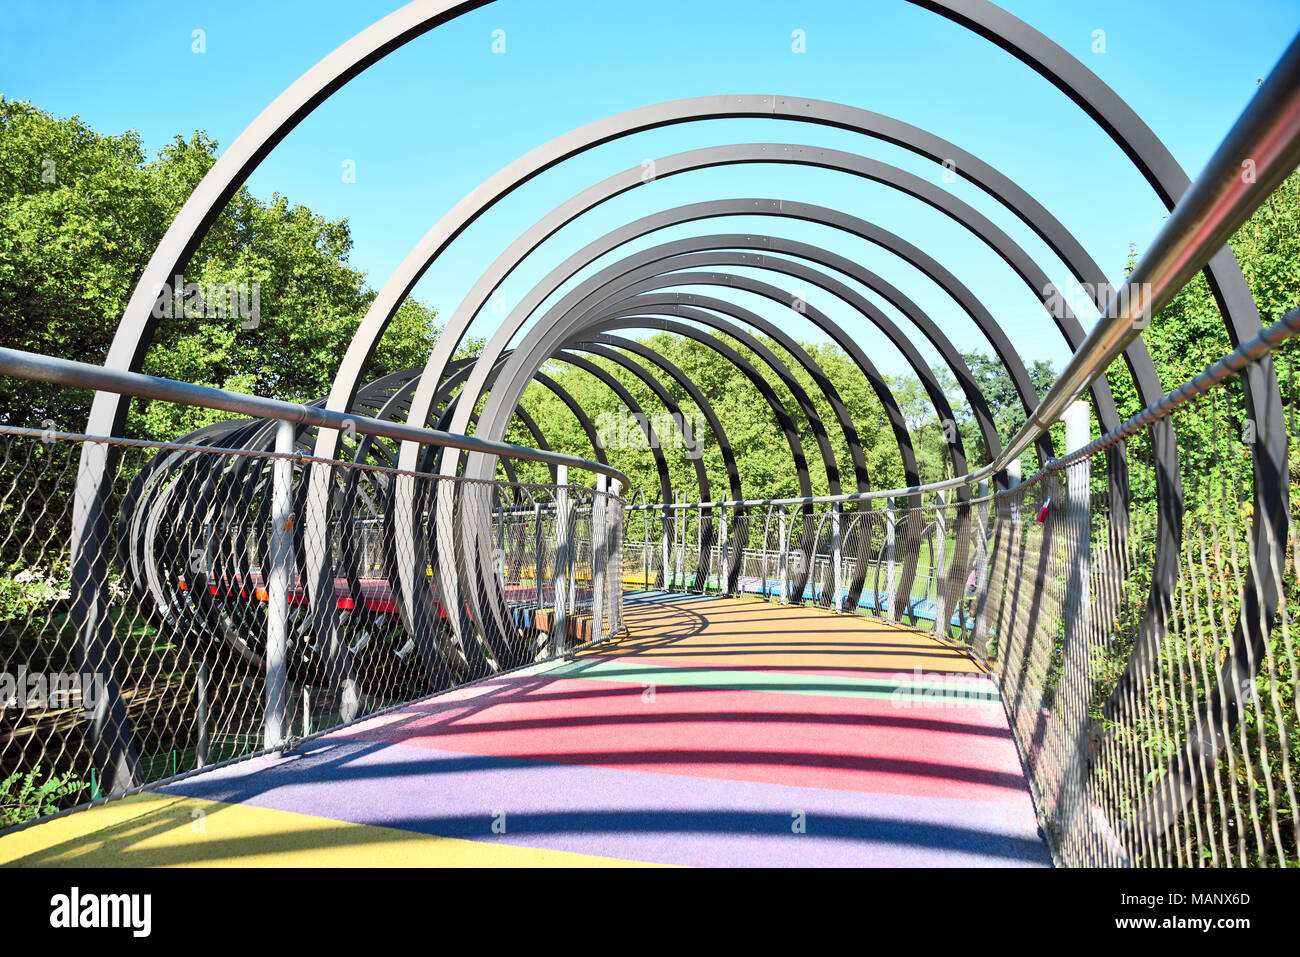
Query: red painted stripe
857	744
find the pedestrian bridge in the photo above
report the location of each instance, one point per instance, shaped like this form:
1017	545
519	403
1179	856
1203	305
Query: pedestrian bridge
360	631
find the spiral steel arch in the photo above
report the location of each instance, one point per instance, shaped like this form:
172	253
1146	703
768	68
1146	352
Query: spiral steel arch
111	734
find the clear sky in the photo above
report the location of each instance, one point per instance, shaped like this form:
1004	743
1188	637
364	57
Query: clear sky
434	119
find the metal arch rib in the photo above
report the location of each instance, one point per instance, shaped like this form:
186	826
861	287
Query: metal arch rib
541	340
598	344
566	354
734	480
857	227
469	536
630	284
508	261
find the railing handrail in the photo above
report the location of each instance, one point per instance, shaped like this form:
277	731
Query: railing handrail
1250	351
84	375
1267	134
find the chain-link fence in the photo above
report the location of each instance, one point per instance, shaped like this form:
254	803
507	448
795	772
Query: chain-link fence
915	560
1138	614
233	621
1132	600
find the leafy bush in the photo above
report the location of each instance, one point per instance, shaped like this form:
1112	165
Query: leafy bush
23	799
33	589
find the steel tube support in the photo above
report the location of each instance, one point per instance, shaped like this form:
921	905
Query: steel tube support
1070	712
613	559
891	534
723	552
202	753
645	550
537	553
665	539
783	558
938	572
1077	606
499	559
599	544
277	588
837	559
979	639
681	544
563	559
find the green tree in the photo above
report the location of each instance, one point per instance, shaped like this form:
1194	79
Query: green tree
80	214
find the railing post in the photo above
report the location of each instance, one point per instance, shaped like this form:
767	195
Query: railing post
571	596
277	587
763	554
614	558
940	560
201	692
681	542
979	641
645	551
1078	517
699	549
1070	709
563	559
599	536
1007	560
1017	519
783	558
499	559
665	538
837	574
890	537
537	552
723	550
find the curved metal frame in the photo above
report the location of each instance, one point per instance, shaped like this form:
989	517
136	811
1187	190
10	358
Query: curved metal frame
849	224
654	278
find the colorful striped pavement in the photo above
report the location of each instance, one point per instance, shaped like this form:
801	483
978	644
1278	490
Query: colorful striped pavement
719	732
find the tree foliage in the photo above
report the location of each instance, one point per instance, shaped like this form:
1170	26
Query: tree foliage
80	215
762	452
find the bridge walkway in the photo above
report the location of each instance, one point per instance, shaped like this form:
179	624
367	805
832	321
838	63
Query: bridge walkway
716	732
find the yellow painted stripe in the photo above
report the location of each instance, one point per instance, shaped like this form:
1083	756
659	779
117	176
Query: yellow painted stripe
162	830
748	633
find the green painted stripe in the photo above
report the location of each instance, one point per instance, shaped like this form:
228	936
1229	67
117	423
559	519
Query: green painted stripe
782	682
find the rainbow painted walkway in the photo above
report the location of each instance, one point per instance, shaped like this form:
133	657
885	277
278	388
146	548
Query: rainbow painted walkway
721	732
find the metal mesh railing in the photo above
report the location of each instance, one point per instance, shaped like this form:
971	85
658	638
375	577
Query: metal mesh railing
922	560
1151	688
429	582
1131	600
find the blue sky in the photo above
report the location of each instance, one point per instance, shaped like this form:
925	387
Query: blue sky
434	119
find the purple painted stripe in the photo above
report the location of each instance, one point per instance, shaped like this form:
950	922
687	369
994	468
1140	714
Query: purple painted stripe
632	815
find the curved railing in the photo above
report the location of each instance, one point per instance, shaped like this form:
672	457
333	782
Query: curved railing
221	652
